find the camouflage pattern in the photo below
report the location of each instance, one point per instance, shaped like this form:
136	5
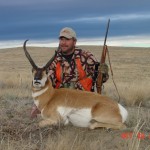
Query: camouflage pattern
70	76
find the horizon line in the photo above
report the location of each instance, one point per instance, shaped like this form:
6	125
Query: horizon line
120	41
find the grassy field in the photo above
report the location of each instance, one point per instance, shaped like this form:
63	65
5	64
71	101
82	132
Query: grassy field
131	73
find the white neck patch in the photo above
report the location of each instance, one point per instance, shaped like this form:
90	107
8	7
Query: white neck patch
36	102
35	94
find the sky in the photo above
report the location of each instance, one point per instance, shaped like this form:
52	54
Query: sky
40	21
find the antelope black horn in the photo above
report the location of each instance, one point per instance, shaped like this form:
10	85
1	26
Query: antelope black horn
50	61
28	56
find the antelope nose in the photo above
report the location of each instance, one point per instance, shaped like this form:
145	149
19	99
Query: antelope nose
36	78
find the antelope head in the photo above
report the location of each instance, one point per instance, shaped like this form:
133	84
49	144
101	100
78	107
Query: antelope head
40	74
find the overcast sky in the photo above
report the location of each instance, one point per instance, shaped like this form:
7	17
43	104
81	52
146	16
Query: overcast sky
43	19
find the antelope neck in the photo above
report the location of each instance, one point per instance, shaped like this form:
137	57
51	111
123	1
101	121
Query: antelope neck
39	92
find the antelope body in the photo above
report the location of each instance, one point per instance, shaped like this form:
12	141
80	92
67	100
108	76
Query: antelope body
81	108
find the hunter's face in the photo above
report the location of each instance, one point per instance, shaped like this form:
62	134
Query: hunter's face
67	45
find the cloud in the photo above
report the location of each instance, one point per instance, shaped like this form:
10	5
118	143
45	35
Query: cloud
115	17
40	19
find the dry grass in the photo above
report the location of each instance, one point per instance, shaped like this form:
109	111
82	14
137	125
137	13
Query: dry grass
131	69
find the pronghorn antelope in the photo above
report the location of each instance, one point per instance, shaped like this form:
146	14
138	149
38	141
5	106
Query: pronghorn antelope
81	108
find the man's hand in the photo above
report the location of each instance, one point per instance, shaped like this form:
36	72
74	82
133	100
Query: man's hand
103	68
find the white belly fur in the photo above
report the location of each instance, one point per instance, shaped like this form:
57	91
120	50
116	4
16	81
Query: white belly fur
78	117
123	113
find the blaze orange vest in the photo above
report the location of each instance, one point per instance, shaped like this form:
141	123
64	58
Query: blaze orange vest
83	79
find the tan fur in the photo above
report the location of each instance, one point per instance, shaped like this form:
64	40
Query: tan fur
104	111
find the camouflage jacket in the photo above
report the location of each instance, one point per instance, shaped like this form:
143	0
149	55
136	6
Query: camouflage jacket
69	70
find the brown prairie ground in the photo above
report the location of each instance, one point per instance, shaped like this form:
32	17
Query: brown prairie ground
131	72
